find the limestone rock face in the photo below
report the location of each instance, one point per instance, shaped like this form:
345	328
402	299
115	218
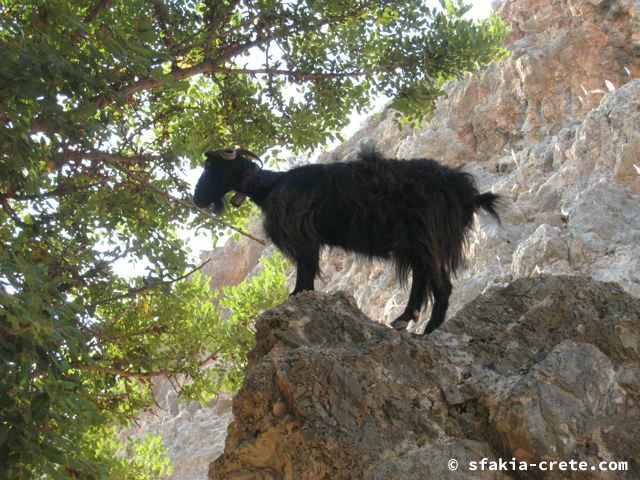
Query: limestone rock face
194	436
546	368
232	262
555	130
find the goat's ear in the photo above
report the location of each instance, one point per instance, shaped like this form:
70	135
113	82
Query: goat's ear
210	157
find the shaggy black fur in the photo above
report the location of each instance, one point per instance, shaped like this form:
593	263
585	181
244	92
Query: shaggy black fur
416	212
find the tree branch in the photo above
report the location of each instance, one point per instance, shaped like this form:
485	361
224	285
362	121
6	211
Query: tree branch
108	157
162	16
124	373
135	291
93	13
117	160
217	16
8	331
187	204
211	67
296	75
63	189
90	16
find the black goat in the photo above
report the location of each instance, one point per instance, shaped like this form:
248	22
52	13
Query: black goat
416	212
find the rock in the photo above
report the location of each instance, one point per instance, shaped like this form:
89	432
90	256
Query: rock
193	436
554	129
547	368
230	263
544	247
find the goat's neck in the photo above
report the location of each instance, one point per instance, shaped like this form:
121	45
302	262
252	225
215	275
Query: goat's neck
258	184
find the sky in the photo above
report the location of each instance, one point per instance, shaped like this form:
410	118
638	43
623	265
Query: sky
481	8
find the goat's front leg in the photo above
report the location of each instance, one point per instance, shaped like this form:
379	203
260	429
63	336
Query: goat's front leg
416	300
308	267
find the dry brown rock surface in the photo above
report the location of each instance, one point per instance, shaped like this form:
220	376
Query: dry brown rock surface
555	129
546	368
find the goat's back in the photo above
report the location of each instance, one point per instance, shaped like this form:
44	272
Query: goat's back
417	210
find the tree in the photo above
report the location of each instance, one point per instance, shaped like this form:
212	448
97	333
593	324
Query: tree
103	105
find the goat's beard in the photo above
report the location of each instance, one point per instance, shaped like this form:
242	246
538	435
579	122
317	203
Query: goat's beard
218	206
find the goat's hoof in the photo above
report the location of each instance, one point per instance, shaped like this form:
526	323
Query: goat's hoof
428	330
400	324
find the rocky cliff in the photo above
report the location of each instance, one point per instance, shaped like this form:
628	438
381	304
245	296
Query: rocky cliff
555	129
545	369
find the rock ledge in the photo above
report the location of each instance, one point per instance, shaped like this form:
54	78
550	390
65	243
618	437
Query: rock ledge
547	368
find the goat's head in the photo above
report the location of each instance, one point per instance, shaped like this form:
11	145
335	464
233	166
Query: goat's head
224	171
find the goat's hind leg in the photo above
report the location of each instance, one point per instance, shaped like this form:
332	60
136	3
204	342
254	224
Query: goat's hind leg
307	269
441	294
416	300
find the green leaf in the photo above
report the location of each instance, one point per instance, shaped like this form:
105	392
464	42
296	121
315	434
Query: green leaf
40	406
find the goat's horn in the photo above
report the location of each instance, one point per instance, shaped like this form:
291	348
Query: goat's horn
249	153
243	151
228	154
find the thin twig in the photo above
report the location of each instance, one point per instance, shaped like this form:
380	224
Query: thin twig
219	221
114	159
135	291
124	373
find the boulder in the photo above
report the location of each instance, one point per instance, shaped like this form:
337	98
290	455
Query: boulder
544	369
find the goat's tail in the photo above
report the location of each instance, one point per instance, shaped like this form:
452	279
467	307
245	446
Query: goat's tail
489	202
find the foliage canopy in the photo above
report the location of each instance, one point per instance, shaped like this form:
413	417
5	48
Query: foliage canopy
103	104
